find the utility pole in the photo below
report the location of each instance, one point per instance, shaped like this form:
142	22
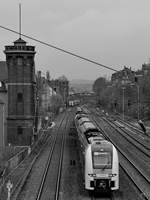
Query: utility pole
138	92
123	102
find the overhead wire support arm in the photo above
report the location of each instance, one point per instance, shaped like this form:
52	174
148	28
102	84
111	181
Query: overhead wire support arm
60	49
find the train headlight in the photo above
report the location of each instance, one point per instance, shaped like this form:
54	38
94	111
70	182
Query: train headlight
112	175
92	175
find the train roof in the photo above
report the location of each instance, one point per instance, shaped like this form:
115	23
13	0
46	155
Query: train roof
83	120
96	139
79	109
88	125
101	146
80	115
89	129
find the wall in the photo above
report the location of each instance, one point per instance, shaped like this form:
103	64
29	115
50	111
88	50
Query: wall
3	119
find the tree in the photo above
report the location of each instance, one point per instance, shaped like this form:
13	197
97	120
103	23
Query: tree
48	75
99	88
99	85
56	103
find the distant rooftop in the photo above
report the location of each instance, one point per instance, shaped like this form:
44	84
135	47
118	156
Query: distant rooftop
20	41
62	78
19	46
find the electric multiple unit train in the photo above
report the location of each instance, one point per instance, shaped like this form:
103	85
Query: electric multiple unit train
99	156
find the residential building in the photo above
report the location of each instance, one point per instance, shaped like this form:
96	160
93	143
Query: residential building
124	76
61	86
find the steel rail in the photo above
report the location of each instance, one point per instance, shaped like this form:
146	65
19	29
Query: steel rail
60	164
23	179
145	179
129	124
48	163
20	183
127	133
147	152
133	127
146	149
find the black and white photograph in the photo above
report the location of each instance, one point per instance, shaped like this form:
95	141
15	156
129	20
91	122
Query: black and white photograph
74	100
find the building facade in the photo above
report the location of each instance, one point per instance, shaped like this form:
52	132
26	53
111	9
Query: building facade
146	69
3	103
125	76
61	86
45	93
21	92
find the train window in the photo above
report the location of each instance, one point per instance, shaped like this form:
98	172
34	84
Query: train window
102	160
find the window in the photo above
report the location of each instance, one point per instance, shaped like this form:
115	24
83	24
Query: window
19	130
29	61
102	160
19	61
20	97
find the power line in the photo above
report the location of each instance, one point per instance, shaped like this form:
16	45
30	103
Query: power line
60	49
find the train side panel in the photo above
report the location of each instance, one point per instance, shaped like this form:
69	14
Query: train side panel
88	169
115	170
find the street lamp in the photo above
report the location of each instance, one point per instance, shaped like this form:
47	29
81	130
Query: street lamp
123	102
138	93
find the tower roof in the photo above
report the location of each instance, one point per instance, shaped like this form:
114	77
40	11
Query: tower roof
20	41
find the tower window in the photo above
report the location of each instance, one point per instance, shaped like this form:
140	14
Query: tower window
20	97
19	130
29	61
19	61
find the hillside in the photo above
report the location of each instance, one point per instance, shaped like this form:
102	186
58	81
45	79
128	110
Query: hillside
79	85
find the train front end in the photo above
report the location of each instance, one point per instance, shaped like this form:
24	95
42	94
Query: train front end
101	167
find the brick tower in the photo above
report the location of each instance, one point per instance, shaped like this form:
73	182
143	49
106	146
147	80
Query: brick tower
21	92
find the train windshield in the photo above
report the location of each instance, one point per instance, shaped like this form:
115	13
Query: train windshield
102	160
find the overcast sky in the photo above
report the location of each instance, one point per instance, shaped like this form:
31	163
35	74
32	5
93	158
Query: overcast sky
112	32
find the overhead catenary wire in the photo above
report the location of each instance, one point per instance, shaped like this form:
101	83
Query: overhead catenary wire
59	49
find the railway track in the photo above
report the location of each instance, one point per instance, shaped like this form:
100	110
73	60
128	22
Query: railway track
104	196
49	189
111	197
20	171
131	136
130	165
131	126
29	188
134	130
